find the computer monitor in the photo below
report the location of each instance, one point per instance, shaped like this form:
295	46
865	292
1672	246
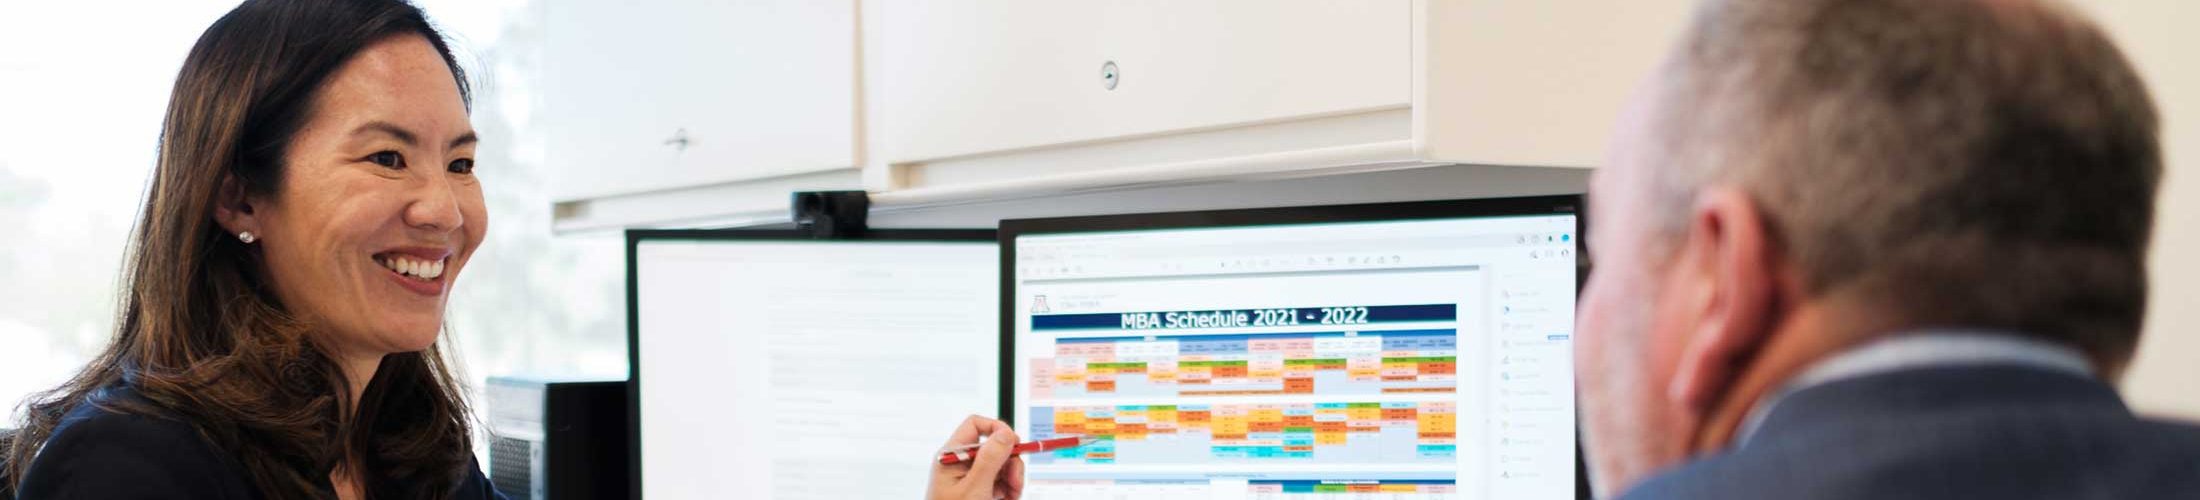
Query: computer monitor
769	365
1415	350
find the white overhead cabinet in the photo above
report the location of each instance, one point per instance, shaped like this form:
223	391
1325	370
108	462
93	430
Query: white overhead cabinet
659	111
709	112
1005	98
967	84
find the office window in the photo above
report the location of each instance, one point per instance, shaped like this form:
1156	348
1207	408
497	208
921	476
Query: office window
83	91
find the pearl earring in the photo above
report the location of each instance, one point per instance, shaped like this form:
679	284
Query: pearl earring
247	237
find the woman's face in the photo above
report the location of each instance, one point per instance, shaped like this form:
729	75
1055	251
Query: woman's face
378	209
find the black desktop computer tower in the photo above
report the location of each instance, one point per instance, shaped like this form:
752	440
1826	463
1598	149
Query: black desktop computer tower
557	439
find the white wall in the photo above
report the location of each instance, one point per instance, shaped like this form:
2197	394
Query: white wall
2159	37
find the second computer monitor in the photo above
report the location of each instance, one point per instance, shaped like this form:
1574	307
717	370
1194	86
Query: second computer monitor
1419	350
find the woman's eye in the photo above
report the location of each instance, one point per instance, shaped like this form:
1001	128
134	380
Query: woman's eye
462	166
389	159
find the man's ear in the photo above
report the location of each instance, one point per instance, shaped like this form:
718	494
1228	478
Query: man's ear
1729	252
233	207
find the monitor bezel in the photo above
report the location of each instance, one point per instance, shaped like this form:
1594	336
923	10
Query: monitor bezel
636	237
1010	229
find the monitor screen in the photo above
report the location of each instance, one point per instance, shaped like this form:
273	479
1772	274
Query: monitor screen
769	366
1416	351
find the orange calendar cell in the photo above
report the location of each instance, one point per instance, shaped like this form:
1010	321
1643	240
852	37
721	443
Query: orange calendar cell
1130	432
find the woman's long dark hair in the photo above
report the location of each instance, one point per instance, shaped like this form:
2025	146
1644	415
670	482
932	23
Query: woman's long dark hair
200	335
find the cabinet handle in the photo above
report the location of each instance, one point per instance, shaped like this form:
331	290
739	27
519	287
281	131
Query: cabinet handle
1109	75
679	140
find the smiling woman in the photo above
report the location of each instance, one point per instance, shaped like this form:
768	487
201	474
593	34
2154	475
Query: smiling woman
314	202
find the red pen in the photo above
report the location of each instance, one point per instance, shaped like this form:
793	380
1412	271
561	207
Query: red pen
969	452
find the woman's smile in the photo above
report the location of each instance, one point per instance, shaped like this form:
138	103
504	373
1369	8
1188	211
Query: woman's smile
417	269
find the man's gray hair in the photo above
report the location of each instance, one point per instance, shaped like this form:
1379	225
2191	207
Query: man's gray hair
1959	163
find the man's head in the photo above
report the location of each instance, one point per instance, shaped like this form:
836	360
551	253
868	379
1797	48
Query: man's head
1805	175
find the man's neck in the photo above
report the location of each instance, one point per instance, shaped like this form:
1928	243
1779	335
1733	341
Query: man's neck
1812	332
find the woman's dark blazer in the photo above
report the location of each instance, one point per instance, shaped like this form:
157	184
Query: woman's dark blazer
100	454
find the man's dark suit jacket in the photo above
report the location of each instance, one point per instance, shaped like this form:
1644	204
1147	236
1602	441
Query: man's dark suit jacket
1988	431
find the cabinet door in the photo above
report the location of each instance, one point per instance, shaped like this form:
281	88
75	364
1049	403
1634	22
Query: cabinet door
648	95
969	77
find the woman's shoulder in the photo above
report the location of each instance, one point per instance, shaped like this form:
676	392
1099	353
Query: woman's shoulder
100	421
477	486
101	451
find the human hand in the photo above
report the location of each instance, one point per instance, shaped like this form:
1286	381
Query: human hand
993	475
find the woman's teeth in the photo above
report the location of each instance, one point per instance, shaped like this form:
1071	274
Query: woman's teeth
418	268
